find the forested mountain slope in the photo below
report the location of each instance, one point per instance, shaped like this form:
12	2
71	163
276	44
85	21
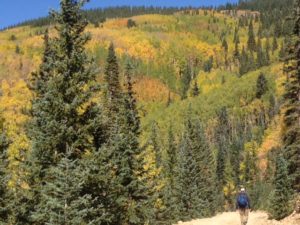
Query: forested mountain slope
207	85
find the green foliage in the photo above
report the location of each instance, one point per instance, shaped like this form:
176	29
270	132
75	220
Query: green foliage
251	43
280	202
5	192
208	65
274	44
127	190
190	202
12	37
221	135
196	178
112	96
61	199
18	49
62	114
131	23
291	97
225	45
186	77
261	85
263	57
170	213
195	90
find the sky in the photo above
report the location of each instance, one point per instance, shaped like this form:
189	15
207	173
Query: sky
16	11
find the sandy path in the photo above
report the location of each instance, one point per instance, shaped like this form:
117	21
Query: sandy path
232	218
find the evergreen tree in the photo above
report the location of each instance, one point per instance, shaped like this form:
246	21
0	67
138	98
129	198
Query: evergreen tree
278	29
131	23
291	134
18	49
186	78
251	44
130	101
128	193
220	171
61	199
61	110
225	45
261	59
236	52
196	172
236	35
38	83
170	211
280	205
222	132
113	91
282	52
208	65
5	192
190	202
261	85
195	91
153	141
203	154
171	158
244	68
274	44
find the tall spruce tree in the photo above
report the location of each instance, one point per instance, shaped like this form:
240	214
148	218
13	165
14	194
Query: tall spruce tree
128	192
291	134
251	43
196	158
222	132
170	211
280	202
64	87
203	154
113	91
190	202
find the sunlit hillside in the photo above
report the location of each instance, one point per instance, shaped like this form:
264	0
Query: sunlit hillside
207	80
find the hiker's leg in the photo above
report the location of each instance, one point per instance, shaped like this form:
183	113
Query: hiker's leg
246	215
242	215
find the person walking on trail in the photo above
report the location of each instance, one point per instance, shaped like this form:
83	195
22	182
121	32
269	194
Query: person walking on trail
243	205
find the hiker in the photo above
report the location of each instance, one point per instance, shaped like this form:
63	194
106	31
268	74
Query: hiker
243	205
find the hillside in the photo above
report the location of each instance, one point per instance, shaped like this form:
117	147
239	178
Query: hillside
158	117
159	47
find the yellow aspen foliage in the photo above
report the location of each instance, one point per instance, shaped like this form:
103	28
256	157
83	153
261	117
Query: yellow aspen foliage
14	101
249	166
152	90
271	140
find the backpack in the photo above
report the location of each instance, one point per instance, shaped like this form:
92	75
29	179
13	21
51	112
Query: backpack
242	201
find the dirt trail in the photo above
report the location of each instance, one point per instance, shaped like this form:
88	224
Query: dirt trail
255	218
